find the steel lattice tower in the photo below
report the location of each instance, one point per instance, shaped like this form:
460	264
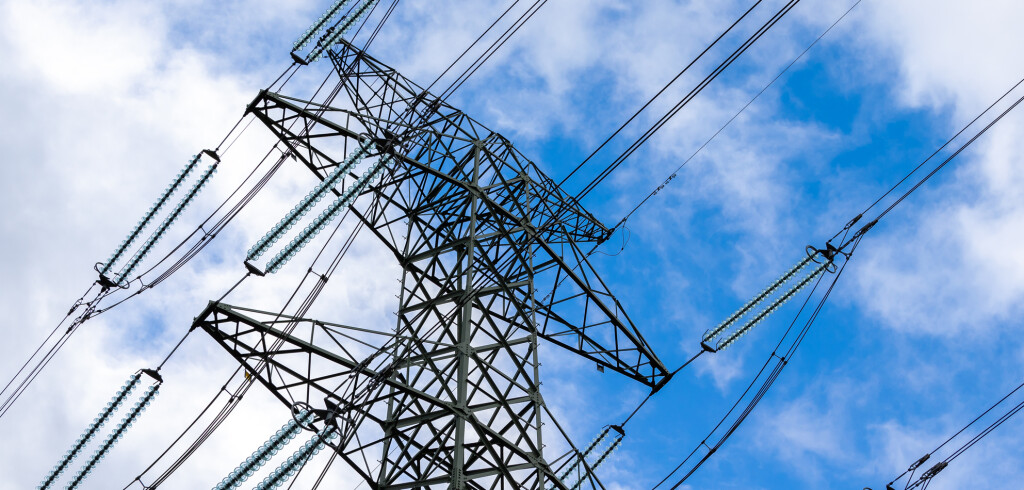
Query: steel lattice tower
492	259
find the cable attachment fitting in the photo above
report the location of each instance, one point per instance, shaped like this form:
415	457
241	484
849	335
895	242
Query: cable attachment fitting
864	229
917	464
934	470
826	255
153	373
303	414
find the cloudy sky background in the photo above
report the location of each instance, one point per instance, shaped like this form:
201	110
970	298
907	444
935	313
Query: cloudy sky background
104	101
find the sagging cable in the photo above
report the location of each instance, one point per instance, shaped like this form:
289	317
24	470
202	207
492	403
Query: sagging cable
288	468
311	199
334	34
148	217
90	432
260	456
733	337
342	202
142	253
118	432
328	17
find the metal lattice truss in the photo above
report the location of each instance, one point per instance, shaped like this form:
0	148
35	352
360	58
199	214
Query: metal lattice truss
492	256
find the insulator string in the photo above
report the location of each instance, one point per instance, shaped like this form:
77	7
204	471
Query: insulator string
157	206
727	341
314	30
341	203
290	466
114	436
331	37
262	455
171	218
312	198
768	291
91	430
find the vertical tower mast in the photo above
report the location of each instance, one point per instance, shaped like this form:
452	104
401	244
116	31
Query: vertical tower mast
490	251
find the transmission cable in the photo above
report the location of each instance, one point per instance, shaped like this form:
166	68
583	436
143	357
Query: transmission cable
493	48
854	241
953	155
941	165
658	94
53	332
387	15
673	175
780	363
924	480
687	98
472	45
243	388
367	19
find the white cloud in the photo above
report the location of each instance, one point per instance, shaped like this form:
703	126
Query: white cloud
111	99
988	464
945	263
109	104
812	432
77	49
949	52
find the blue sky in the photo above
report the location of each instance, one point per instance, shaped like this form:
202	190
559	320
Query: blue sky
104	101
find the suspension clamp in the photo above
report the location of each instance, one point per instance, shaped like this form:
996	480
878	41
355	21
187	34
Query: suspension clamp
152	373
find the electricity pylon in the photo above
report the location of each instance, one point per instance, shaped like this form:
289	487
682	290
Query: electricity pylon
493	260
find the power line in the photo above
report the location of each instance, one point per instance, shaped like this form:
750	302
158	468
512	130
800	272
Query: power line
658	94
925	479
942	164
780	362
852	242
761	92
383	20
687	98
472	45
493	48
